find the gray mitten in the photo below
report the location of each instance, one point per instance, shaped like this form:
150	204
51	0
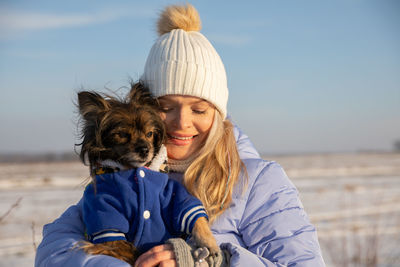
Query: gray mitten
200	257
183	252
191	256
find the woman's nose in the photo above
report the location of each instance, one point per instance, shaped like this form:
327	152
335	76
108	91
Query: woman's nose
183	120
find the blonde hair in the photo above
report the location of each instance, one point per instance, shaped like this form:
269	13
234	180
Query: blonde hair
212	175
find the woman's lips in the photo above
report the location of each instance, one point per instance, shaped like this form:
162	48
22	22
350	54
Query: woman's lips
181	140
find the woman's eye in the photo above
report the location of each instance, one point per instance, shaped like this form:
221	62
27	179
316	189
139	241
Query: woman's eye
198	111
149	134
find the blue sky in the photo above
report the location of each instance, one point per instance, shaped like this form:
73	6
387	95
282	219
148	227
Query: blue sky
304	76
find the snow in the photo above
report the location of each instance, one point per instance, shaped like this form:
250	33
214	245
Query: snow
352	199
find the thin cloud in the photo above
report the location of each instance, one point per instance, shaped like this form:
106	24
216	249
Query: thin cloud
14	22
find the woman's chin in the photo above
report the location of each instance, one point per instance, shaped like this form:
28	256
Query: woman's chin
178	153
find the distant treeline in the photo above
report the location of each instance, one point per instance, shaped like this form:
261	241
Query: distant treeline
39	157
72	156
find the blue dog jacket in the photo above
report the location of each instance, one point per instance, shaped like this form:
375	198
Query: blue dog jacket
138	205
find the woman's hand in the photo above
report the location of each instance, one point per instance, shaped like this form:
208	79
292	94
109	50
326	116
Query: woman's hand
162	255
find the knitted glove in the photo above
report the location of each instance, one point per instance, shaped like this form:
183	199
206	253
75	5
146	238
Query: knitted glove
183	252
191	256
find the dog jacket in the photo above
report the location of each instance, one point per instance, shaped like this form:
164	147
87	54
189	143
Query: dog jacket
138	205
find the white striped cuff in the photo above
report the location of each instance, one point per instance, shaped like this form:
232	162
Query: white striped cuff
108	236
190	217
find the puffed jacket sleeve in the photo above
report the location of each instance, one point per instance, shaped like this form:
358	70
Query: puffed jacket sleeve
274	225
59	240
274	228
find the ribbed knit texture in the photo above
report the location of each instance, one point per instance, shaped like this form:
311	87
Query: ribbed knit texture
181	165
185	63
183	252
189	255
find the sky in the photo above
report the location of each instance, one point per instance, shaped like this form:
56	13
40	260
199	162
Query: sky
303	76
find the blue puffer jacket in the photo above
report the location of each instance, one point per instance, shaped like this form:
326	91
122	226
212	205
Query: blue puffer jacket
265	224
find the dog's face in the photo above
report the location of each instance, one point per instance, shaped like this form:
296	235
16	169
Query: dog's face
128	131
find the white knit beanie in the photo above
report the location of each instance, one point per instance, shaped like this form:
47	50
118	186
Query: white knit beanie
183	61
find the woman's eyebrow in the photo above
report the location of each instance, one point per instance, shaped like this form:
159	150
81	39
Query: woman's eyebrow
199	102
194	102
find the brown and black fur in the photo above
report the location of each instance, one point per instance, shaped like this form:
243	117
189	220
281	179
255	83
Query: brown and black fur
128	131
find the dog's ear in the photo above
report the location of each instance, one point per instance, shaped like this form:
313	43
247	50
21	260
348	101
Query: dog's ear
160	134
91	104
139	94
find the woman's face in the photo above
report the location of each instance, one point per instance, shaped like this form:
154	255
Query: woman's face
188	120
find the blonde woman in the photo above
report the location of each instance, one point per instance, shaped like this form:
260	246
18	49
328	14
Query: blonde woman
253	208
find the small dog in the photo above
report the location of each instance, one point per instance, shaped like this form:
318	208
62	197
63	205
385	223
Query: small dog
121	135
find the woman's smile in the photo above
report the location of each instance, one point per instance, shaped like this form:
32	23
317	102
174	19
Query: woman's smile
180	140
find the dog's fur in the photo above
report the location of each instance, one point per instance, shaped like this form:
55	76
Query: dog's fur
129	132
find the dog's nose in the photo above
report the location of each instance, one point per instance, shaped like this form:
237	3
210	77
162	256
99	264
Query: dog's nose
142	150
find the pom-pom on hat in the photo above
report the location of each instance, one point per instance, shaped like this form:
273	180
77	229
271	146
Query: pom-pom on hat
183	62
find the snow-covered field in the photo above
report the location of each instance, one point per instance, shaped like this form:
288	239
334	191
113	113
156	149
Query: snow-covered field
353	199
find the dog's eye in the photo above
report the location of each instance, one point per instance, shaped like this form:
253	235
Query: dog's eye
149	134
165	109
121	137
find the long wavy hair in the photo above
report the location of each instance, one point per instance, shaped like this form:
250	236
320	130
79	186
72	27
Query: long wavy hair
212	175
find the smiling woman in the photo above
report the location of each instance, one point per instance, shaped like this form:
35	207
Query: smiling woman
253	208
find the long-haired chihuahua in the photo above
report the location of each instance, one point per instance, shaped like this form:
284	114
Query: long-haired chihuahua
121	134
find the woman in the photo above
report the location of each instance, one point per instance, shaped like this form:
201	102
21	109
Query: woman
254	209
